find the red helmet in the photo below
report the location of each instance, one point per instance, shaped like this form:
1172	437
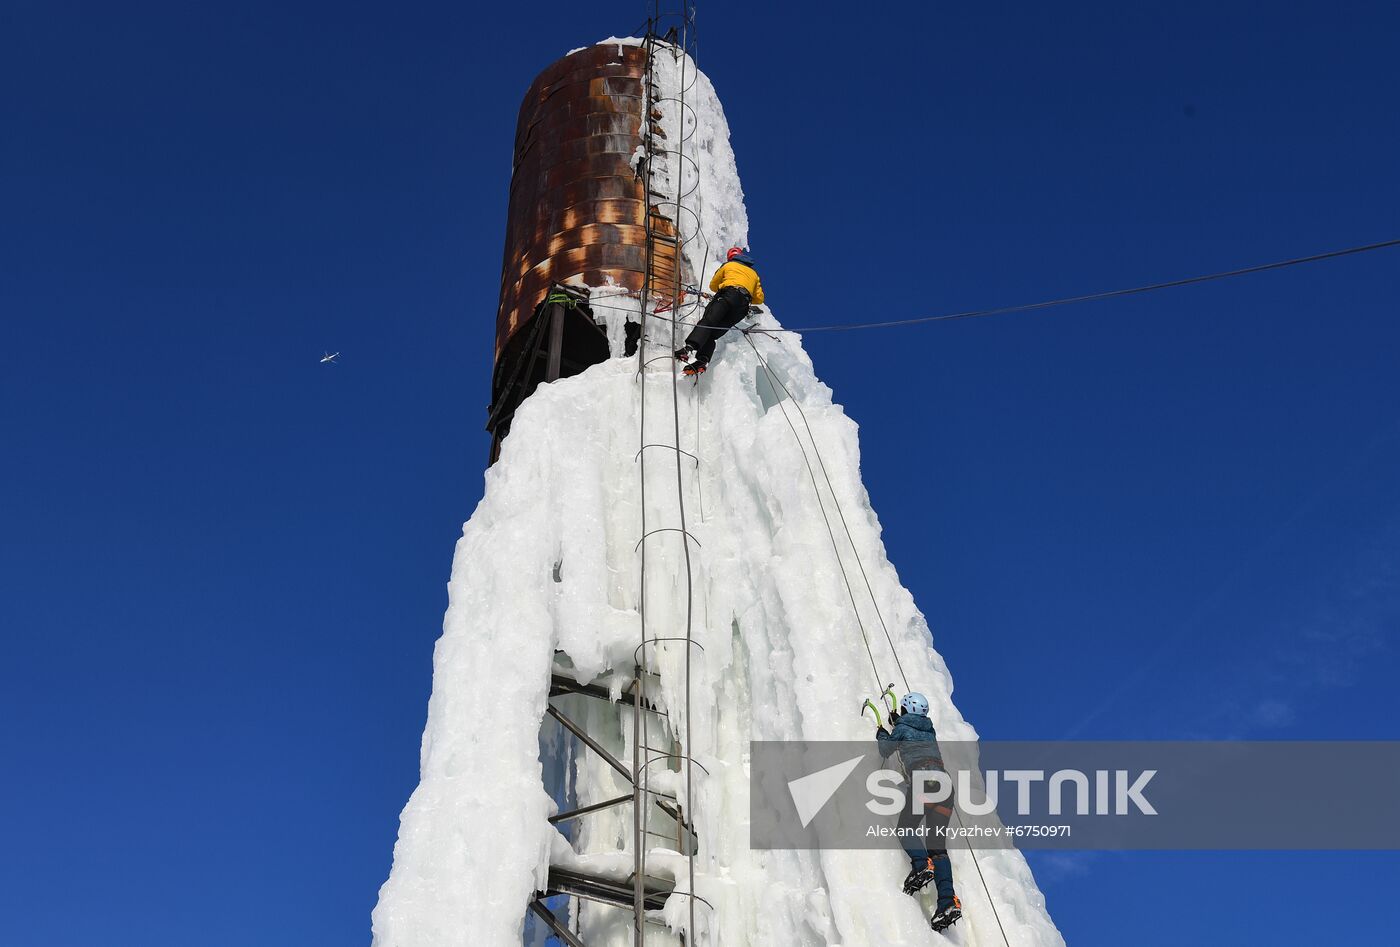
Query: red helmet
733	252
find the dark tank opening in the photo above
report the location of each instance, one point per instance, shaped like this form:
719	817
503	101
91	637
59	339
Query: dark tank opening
559	340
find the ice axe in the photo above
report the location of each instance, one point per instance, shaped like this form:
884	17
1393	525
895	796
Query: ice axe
889	695
871	705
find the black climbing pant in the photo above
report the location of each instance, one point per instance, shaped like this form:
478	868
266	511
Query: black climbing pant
726	308
920	825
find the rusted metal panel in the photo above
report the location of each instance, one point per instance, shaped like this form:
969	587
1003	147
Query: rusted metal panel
577	208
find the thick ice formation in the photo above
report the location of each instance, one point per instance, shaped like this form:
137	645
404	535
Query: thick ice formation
548	563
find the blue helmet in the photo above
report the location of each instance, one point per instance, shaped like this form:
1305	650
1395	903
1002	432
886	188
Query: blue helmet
914	704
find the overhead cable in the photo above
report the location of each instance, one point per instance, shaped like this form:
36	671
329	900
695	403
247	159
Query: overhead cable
1091	297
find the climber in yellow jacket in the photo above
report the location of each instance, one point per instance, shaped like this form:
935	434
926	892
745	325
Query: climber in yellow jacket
735	286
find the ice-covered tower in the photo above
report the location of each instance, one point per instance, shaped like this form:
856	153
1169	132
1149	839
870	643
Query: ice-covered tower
658	573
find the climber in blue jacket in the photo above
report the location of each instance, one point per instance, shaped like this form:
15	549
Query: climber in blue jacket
913	739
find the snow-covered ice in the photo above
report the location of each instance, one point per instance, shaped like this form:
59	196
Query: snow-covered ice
546	577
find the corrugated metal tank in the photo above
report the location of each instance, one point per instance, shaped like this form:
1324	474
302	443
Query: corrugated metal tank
576	204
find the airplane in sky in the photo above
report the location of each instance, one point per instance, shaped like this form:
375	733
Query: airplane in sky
330	358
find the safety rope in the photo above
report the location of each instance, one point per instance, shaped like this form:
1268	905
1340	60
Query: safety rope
680	501
1092	297
641	804
821	504
972	314
980	877
686	820
773	379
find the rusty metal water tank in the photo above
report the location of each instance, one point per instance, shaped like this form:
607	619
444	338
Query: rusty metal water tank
576	203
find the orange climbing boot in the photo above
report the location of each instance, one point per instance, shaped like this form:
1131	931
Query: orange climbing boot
919	877
946	917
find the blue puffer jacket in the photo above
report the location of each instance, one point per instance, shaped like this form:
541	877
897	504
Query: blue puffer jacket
915	740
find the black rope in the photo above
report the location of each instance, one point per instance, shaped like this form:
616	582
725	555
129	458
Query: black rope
889	639
640	783
690	806
682	58
835	547
816	450
976	864
1091	297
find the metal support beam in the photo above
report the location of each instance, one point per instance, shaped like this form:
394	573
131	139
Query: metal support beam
584	810
675	813
560	685
556	341
555	925
606	890
588	741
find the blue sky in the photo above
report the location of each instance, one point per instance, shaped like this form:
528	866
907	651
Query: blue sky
1171	516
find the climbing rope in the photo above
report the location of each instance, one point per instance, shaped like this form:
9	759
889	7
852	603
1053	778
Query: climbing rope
685	820
981	878
680	501
821	504
773	379
640	800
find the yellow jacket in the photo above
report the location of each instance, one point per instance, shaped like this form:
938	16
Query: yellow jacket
738	274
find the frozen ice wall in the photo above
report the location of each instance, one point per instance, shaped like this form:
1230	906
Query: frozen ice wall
546	575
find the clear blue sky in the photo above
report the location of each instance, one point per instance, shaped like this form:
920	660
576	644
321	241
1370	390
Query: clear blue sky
224	564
